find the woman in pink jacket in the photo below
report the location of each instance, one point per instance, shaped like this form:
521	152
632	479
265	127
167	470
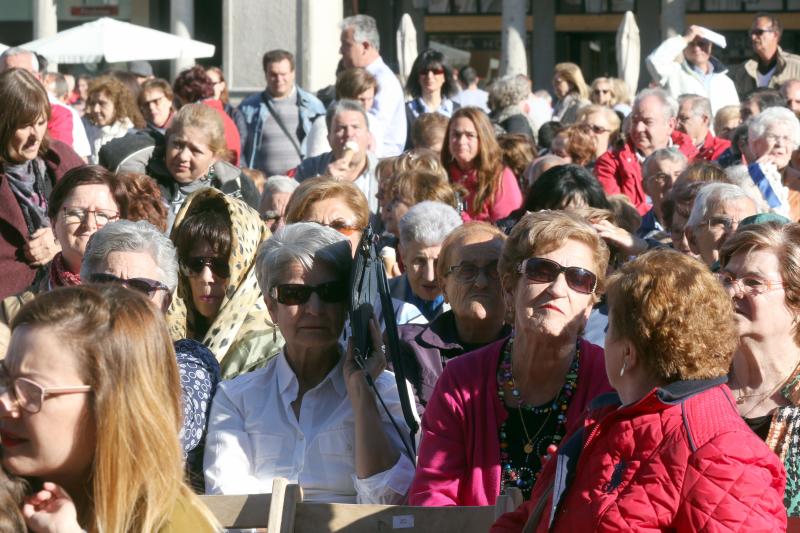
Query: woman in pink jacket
495	412
474	161
669	451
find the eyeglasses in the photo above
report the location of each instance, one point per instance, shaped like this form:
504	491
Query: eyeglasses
79	215
722	224
297	294
700	43
436	71
345	228
194	266
749	285
468	272
599	130
784	139
540	270
146	286
758	32
29	395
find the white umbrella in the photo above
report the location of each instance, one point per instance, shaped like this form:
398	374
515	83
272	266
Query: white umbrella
628	52
406	46
3	48
116	41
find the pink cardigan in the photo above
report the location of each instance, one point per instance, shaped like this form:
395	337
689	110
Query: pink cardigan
507	198
459	455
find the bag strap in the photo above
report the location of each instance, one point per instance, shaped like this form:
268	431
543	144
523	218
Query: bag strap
282	126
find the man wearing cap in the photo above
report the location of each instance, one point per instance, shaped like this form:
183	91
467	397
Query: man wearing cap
771	66
142	69
684	65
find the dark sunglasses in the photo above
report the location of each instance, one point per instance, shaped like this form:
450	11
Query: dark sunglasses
194	265
297	294
758	32
436	71
539	270
146	286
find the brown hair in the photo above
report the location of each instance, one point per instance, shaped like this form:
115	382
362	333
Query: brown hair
323	188
428	129
597	109
544	231
414	186
675	313
489	161
706	171
352	82
24	101
781	240
125	354
580	143
571	73
517	152
155	84
626	215
85	175
454	239
421	159
274	56
120	96
142	200
224	96
209	221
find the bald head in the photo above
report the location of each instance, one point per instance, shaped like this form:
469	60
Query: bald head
791	91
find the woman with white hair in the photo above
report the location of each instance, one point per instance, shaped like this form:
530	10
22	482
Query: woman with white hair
309	415
422	230
772	136
277	191
506	96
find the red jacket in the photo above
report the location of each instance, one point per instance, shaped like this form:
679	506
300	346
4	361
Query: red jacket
59	127
712	148
680	459
232	138
619	171
506	199
459	455
16	274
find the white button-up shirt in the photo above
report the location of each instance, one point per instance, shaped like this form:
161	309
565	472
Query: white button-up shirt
254	436
389	108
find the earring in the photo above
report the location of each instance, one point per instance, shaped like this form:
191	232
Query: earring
622	370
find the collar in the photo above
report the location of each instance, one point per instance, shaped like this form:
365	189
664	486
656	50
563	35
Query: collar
441	333
288	384
696	70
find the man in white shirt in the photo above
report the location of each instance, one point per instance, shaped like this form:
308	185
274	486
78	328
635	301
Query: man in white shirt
360	47
470	95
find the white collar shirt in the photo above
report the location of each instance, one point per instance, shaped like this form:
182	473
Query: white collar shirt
389	108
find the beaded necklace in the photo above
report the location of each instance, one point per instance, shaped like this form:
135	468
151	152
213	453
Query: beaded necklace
523	476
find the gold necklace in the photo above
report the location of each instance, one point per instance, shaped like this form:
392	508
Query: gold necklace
528	448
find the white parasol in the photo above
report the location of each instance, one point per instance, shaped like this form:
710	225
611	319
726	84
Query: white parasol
406	46
629	52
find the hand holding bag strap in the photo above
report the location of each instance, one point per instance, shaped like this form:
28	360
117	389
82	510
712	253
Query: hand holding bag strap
282	126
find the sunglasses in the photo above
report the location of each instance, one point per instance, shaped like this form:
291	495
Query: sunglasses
146	286
539	270
194	266
342	227
297	294
758	32
599	130
436	71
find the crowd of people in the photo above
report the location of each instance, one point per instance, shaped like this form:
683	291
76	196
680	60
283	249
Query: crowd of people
596	295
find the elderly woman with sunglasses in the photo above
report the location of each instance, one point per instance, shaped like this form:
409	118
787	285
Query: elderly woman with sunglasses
496	411
761	273
309	416
218	301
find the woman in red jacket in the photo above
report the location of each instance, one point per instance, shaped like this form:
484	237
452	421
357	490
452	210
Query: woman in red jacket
474	161
669	451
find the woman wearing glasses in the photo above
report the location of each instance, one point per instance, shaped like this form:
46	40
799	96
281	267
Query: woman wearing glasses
309	416
761	273
30	165
218	301
90	413
604	125
470	283
496	411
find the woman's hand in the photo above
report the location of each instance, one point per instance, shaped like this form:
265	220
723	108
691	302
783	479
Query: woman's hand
41	247
620	238
51	510
375	363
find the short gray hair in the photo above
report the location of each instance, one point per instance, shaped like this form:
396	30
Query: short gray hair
507	91
700	105
275	184
668	103
773	116
428	223
712	195
342	105
17	51
365	29
128	236
664	154
303	243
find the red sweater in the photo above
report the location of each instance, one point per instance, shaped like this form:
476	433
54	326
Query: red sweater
679	459
507	198
232	137
712	148
459	455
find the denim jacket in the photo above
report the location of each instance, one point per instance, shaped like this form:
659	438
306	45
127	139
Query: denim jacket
255	112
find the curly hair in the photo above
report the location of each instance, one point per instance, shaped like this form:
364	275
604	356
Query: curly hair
193	85
428	130
675	313
415	186
517	150
581	145
142	200
315	190
116	91
422	159
507	91
781	240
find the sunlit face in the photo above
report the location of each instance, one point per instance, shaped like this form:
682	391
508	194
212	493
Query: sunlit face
721	221
431	79
219	85
353	53
57	443
392	213
650	126
764	37
335	213
554	309
349	126
367	98
481	298
100	109
791	91
658	178
85	210
273	207
560	86
25	142
693	124
698	52
208	287
188	155
600	130
601	94
420	262
280	78
128	265
777	142
464	142
156	107
726	129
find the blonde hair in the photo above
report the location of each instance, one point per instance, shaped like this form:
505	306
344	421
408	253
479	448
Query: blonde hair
456	237
724	114
125	354
205	119
321	188
593	109
571	73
